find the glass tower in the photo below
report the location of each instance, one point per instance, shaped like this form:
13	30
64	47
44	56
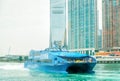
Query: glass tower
57	23
82	25
111	24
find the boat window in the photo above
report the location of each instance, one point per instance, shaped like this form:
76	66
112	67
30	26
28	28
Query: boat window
55	59
38	61
30	60
46	61
79	60
58	61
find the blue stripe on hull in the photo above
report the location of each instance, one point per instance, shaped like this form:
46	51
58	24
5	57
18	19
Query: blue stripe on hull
62	68
46	68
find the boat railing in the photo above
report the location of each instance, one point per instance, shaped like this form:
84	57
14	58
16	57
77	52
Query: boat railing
55	49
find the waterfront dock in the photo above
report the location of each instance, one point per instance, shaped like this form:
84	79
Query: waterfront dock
108	59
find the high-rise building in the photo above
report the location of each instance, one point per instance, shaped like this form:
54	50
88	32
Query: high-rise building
82	26
111	24
57	23
99	39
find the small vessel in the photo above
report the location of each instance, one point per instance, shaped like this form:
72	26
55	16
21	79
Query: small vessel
60	61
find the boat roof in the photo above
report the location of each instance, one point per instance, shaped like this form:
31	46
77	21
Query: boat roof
58	52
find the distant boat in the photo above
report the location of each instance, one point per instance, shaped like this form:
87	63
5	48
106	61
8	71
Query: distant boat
60	61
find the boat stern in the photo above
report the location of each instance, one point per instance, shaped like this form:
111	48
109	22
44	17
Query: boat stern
80	68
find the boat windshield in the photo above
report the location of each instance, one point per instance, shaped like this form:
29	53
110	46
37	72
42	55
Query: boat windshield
79	59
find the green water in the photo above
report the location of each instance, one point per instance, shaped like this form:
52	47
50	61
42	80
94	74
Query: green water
16	72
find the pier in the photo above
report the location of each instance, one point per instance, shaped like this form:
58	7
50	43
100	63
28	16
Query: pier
108	59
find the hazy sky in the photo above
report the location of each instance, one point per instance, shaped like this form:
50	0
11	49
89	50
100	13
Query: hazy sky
24	25
99	6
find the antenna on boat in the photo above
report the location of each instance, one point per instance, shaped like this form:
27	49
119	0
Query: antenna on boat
58	44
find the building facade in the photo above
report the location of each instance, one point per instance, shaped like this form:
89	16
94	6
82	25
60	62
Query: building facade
99	39
82	26
57	23
111	24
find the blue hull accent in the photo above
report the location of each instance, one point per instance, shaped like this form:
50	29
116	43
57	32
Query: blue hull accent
61	68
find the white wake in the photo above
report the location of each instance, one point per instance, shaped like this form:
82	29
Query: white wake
12	66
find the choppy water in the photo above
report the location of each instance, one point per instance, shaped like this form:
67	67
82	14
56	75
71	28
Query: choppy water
16	72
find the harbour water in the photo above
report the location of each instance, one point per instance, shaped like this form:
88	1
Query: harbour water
16	72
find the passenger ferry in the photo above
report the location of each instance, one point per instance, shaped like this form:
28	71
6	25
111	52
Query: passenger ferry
60	61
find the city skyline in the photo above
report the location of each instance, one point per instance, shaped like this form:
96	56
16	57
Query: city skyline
24	25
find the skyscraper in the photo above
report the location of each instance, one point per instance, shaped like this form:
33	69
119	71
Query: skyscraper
82	25
57	22
99	39
111	24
